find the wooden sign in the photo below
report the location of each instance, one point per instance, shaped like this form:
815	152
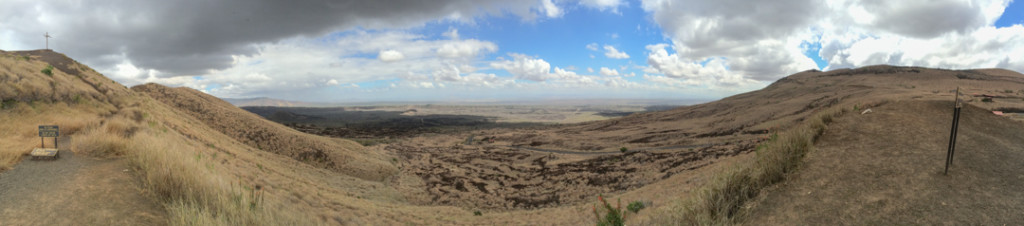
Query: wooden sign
49	131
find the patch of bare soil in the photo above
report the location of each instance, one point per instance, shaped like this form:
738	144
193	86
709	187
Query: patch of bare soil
495	177
886	168
75	190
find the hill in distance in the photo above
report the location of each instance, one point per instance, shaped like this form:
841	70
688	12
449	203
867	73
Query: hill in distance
183	157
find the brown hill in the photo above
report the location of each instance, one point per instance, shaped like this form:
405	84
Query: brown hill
342	156
745	117
886	168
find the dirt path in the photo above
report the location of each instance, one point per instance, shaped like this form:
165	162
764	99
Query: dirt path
885	168
75	190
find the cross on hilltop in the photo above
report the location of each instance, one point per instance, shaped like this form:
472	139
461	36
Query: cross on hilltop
47	35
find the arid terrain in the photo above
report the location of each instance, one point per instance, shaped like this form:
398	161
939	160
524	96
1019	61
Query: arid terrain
187	157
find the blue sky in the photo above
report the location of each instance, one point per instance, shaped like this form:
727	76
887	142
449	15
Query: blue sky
450	50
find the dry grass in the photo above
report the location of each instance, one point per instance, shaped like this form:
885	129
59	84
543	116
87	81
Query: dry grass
194	194
174	170
720	201
18	132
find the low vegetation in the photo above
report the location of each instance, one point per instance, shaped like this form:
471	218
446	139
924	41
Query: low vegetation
720	201
194	194
48	70
613	216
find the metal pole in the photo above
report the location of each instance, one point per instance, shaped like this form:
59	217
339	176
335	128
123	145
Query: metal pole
952	147
952	132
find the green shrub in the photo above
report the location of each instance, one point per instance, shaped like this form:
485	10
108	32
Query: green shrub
623	149
987	99
635	206
613	215
478	213
48	70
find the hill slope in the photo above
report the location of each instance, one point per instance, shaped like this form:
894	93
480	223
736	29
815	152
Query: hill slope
343	156
886	168
787	101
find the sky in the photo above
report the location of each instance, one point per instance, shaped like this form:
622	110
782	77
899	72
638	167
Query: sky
507	50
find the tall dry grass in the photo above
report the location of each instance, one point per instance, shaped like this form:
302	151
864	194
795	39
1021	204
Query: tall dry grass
719	202
194	195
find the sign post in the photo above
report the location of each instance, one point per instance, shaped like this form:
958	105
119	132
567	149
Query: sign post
44	132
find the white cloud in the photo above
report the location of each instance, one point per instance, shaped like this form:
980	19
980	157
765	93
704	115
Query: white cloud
525	67
550	9
590	69
466	48
390	55
290	65
611	52
609	72
711	71
731	41
602	5
452	33
592	46
428	85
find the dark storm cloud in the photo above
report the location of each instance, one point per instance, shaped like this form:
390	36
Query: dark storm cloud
927	19
191	36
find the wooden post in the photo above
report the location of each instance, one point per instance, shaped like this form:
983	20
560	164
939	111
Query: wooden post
952	132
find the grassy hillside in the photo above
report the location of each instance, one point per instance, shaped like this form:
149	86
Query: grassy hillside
342	156
886	168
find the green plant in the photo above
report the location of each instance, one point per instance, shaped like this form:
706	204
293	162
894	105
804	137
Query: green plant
987	99
25	58
477	213
48	70
635	206
623	149
613	215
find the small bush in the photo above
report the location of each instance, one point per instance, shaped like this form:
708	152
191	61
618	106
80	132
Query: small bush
613	215
478	213
987	99
48	70
623	149
635	206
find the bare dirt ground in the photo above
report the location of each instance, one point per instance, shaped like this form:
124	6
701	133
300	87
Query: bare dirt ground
76	190
491	176
886	168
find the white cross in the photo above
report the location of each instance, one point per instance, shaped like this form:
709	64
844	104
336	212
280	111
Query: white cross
47	35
